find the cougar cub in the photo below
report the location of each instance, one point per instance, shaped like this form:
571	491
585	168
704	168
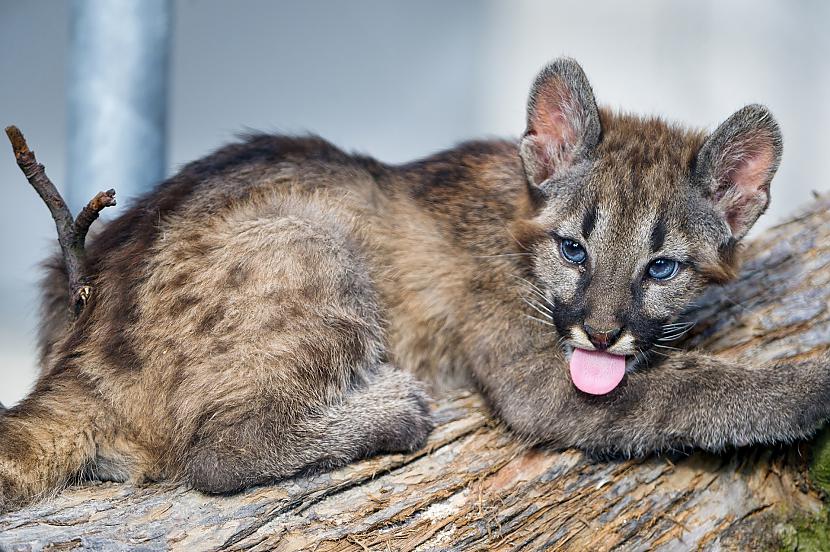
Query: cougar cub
275	306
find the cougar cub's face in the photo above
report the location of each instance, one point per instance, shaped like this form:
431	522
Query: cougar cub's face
639	216
629	248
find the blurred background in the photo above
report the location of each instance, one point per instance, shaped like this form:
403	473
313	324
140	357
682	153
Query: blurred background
119	93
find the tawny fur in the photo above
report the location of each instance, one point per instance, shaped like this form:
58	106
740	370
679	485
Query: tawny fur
281	306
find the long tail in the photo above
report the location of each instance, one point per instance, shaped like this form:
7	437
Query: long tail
46	441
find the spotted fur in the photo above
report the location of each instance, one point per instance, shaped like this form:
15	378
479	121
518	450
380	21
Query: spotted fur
281	305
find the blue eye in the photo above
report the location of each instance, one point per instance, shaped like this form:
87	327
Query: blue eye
573	252
663	269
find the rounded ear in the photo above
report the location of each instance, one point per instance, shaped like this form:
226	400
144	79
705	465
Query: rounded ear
736	164
563	124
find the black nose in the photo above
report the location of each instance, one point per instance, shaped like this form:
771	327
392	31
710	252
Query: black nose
602	339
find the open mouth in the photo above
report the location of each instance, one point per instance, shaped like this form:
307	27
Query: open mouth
596	372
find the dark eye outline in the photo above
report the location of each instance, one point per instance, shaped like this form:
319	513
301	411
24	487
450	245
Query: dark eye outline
675	269
565	256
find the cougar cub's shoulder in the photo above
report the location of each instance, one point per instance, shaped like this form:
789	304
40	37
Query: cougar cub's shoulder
281	305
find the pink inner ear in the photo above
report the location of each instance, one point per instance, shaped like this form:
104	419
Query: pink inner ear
742	191
553	119
751	173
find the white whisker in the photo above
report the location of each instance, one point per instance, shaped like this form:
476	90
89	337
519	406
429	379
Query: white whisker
678	325
673	336
675	330
666	347
545	322
532	286
536	306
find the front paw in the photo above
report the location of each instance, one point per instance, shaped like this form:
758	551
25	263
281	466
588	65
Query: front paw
622	454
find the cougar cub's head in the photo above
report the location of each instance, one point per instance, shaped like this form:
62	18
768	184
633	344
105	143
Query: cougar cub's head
639	216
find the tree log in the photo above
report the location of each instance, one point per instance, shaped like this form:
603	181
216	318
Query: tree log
476	487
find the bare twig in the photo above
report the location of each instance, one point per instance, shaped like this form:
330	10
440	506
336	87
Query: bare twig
71	232
90	213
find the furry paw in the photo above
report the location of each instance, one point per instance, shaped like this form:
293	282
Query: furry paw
415	425
402	405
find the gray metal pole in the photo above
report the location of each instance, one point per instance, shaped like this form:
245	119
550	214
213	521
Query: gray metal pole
117	92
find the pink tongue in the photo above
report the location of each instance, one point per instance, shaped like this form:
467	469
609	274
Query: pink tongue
595	372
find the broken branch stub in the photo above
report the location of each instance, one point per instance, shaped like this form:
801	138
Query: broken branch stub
71	231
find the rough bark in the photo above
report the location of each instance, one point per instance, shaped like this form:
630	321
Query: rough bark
476	487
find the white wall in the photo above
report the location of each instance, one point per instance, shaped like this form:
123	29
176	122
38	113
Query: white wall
400	79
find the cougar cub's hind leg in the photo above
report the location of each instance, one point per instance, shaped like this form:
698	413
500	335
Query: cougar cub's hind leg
290	373
387	413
